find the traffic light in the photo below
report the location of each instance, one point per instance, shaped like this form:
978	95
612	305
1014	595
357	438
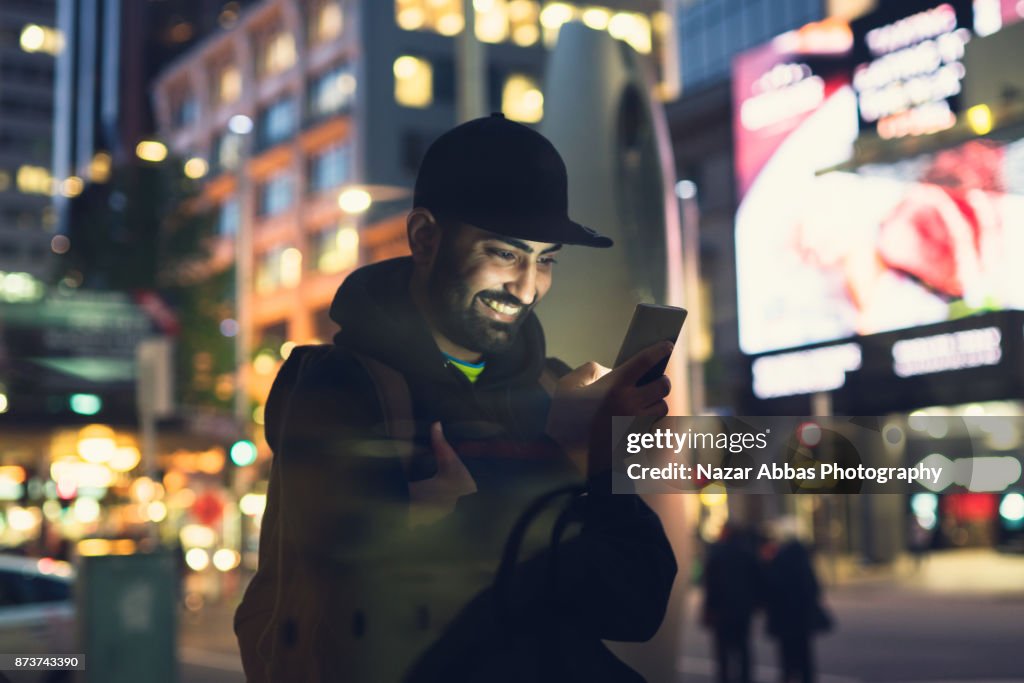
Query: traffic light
243	452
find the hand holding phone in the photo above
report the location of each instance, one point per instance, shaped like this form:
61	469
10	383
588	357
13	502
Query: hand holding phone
587	398
651	324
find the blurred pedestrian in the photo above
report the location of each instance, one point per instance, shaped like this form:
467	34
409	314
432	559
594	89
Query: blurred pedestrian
406	452
919	542
732	593
794	609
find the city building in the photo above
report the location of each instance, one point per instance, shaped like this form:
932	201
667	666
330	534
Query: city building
308	120
28	45
711	33
837	175
110	52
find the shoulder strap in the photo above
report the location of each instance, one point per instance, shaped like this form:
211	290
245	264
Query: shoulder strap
395	402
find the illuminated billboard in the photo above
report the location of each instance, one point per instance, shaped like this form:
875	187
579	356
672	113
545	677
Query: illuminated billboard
909	65
795	113
824	256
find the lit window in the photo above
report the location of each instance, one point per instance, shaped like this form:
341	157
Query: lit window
332	92
552	17
632	28
35	180
491	20
277	194
596	18
291	267
268	270
228	217
523	16
328	21
35	38
441	16
228	151
522	100
278	122
99	167
229	85
278	53
278	267
414	82
330	168
338	249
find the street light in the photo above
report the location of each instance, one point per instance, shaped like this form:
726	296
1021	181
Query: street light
196	168
151	150
355	200
240	124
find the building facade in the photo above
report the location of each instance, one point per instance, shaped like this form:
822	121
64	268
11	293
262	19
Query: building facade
28	45
110	52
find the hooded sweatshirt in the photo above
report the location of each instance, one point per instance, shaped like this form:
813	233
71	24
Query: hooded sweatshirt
346	591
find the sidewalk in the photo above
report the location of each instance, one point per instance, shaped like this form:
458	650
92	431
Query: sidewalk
954	619
974	572
207	648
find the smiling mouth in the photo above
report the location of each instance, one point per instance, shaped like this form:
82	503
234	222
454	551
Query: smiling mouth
503	310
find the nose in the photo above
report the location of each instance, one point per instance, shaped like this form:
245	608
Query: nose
524	286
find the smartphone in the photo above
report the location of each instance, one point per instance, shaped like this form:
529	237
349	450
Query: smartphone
651	324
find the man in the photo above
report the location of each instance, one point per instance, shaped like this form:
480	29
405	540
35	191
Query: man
379	550
793	607
732	593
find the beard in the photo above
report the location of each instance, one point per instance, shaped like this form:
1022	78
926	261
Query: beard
454	311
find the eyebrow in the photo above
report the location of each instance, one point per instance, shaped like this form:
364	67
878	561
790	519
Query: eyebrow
523	246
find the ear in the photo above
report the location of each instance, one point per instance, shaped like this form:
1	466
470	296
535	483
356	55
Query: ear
424	235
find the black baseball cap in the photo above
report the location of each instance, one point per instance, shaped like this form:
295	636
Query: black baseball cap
503	177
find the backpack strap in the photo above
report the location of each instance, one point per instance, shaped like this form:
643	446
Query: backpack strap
396	403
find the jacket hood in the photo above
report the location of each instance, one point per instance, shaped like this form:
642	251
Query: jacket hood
378	318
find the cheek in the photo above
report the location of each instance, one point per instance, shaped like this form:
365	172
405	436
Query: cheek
482	279
543	284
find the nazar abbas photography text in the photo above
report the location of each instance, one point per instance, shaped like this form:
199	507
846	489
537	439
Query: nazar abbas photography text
669	441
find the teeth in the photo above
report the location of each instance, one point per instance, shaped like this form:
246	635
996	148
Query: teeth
504	309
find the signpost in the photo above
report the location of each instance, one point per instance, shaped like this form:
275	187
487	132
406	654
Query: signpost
127	618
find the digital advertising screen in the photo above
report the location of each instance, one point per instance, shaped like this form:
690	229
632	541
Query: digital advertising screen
795	113
826	255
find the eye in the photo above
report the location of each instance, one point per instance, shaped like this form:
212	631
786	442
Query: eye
503	254
547	260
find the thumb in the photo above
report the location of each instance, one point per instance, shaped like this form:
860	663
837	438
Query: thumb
588	373
633	369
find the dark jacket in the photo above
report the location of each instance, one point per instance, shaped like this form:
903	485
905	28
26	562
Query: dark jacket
732	585
355	594
793	596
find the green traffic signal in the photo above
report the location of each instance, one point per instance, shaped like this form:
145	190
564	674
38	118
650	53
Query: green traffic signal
243	452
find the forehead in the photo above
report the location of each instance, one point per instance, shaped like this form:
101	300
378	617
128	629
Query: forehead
470	235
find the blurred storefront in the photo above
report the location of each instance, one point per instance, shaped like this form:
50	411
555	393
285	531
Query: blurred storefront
81	491
75	479
880	175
